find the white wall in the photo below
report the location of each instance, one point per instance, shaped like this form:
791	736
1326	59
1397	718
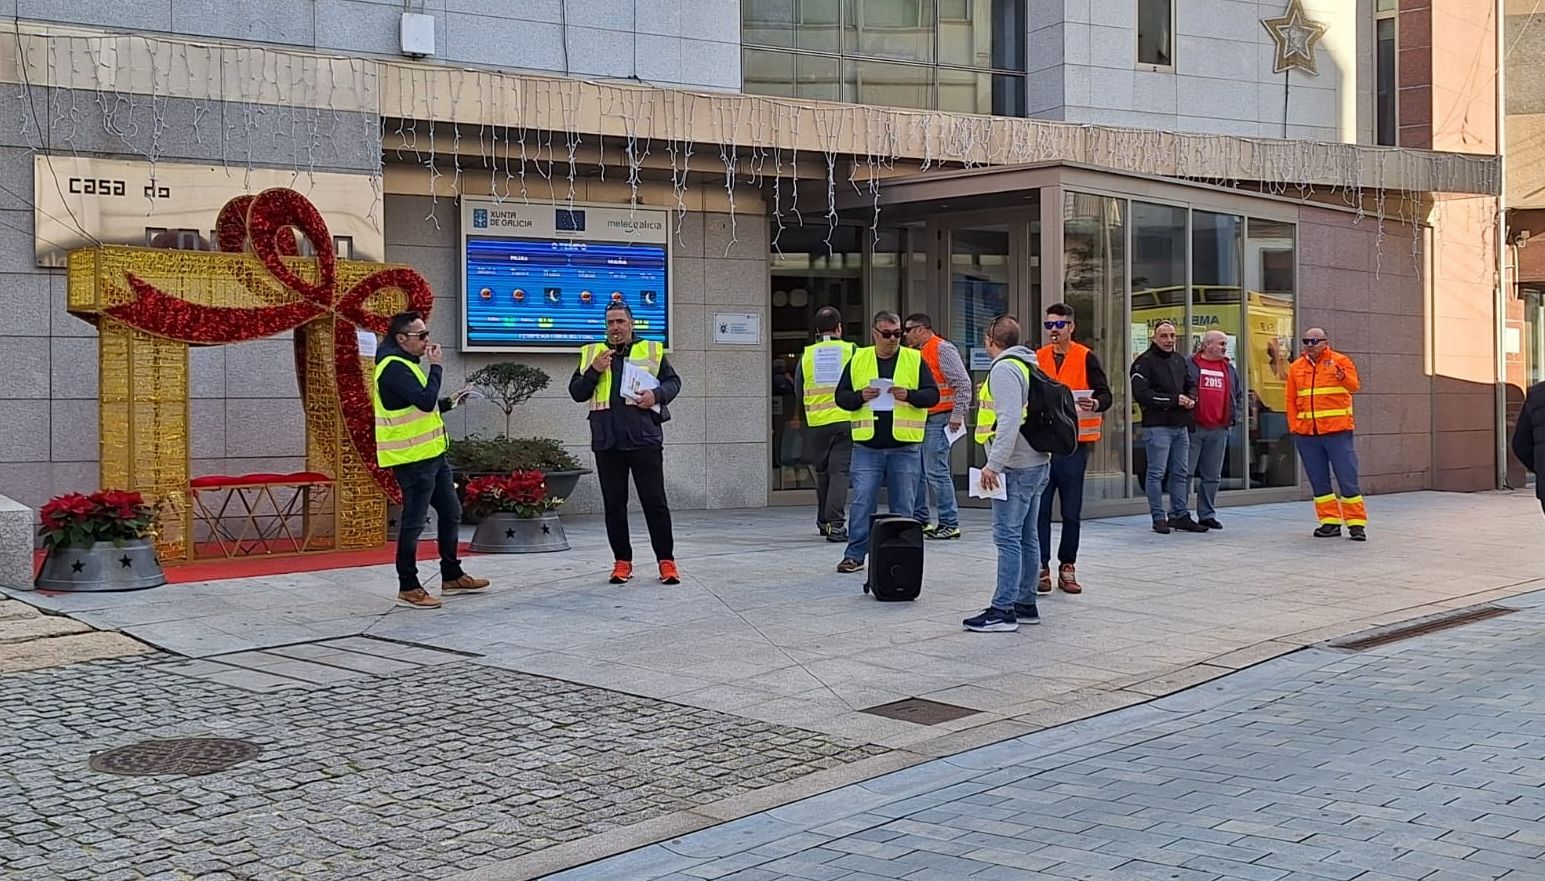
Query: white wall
1083	63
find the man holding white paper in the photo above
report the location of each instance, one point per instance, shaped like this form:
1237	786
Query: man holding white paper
888	390
1021	471
828	437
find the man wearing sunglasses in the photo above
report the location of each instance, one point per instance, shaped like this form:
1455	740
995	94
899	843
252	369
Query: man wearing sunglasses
1320	385
411	441
888	433
954	381
1073	365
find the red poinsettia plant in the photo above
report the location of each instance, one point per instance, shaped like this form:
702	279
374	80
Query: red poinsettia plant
523	493
75	520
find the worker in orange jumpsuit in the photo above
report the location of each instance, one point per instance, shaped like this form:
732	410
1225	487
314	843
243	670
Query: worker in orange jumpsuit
1320	385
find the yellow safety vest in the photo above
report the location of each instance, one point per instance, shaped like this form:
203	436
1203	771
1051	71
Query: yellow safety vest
821	400
408	434
645	354
907	421
986	416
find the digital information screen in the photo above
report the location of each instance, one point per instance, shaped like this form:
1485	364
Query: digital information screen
539	277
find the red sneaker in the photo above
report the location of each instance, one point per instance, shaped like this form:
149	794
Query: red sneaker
668	573
1067	580
622	572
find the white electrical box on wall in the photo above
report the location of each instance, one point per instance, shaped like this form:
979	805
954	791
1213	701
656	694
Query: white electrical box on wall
418	34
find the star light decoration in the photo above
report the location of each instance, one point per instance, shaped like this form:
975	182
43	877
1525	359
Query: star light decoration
1295	34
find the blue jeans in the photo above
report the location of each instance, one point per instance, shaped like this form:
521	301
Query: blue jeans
1014	534
896	469
1168	450
1209	447
1324	453
936	473
1067	481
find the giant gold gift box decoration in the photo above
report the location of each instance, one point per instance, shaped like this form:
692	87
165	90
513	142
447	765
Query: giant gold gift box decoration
151	305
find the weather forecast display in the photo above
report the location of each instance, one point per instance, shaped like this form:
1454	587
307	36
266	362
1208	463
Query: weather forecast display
524	291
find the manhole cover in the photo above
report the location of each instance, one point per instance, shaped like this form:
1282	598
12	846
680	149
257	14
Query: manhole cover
188	755
920	711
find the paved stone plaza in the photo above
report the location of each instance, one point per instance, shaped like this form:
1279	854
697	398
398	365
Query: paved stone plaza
574	720
1423	759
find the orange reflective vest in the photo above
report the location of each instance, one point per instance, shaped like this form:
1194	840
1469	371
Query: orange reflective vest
1074	375
1319	394
930	353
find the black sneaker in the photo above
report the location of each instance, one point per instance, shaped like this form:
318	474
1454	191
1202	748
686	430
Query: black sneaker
1211	523
1027	614
1357	533
1161	527
1328	530
992	621
837	534
1186	524
943	533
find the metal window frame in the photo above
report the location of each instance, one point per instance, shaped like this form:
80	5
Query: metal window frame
1137	38
1392	15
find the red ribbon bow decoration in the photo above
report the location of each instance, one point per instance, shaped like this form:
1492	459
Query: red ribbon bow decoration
263	224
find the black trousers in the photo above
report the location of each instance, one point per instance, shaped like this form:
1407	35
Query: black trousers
648	469
425	484
830	449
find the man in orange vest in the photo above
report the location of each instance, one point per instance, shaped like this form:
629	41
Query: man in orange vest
1073	365
1320	385
954	381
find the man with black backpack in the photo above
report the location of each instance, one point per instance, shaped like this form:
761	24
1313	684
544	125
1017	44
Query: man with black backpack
1017	466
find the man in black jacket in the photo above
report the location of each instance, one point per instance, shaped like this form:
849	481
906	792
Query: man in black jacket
1529	437
423	471
626	437
1164	388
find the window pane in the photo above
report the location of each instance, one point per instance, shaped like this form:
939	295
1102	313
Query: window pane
888	85
1094	284
901	29
965	91
790	24
817	77
1388	5
965	33
1269	291
1155	40
1216	241
767	73
1008	94
1386	86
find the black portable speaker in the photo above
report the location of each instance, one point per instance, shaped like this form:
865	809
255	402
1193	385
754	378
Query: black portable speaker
895	558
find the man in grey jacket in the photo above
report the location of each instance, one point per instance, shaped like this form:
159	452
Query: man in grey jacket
1022	471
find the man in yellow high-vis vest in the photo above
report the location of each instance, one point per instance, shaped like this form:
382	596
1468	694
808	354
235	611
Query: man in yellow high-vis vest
828	440
411	441
888	390
626	437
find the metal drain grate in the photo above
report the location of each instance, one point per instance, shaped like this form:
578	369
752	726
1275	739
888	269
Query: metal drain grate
920	711
191	756
1432	623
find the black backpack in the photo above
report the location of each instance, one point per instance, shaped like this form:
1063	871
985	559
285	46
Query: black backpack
1051	417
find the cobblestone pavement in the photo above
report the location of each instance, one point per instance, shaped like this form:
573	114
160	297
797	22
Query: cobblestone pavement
406	776
1422	759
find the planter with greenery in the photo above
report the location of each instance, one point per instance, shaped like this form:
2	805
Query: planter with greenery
515	515
508	385
104	541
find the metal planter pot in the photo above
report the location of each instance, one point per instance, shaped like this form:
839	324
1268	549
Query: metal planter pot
505	533
394	521
102	567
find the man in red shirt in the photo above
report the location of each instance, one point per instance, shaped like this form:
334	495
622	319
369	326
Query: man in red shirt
1220	400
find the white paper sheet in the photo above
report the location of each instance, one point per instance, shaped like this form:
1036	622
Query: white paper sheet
635	381
974	475
884	403
1080	396
954	434
828	366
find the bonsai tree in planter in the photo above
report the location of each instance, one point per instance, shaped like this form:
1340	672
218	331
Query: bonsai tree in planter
516	515
103	541
509	385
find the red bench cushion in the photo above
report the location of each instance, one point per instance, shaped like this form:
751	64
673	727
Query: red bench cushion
228	481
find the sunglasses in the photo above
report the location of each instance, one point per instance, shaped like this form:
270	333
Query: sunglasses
1055	325
890	334
911	328
1312	340
420	335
